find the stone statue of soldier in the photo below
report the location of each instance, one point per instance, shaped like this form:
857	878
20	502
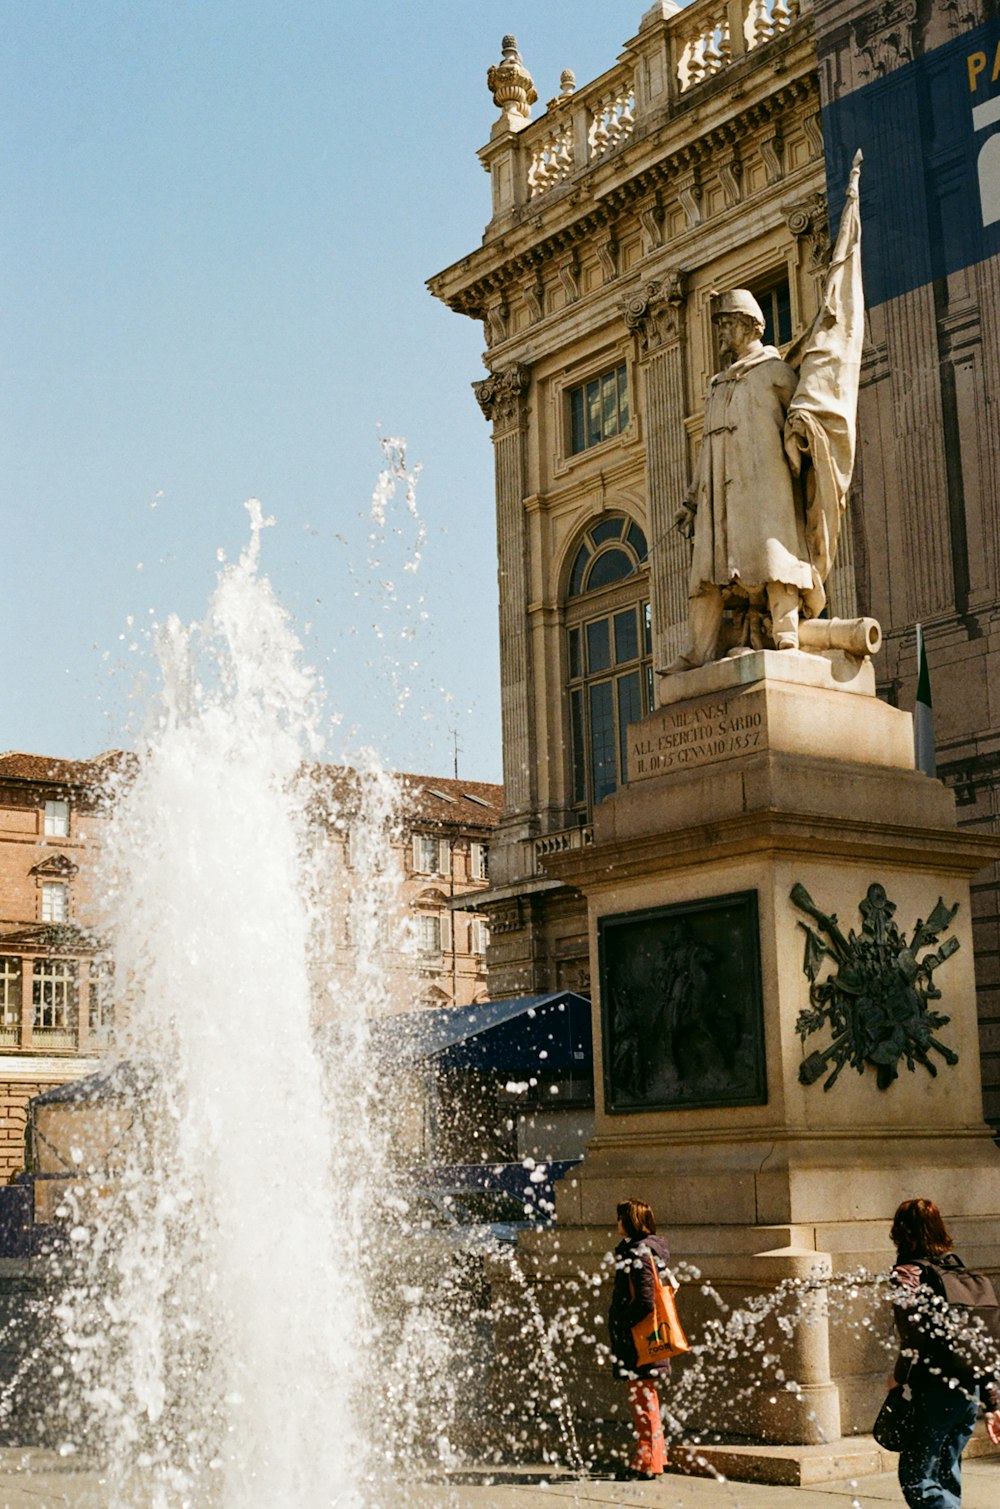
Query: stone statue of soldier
745	513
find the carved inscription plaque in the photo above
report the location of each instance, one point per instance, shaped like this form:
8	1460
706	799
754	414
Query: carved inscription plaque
696	733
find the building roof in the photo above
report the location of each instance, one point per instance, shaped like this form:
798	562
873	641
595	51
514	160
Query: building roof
15	765
439	801
448	800
431	798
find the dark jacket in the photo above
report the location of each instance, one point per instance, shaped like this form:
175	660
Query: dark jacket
918	1358
632	1301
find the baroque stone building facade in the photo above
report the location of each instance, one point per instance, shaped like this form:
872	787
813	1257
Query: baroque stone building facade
715	154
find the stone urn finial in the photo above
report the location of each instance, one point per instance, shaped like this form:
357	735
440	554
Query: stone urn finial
512	86
567	83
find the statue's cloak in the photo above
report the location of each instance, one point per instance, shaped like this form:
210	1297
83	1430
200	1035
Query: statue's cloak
751	521
824	406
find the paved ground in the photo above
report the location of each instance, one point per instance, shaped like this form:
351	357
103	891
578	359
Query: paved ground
41	1481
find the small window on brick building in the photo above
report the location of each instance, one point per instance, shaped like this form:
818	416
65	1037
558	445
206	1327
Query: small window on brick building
55	901
57	819
429	933
478	862
10	992
54	993
479	936
598	409
431	855
100	1015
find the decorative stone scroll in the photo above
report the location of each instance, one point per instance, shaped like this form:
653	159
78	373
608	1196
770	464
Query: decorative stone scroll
501	395
731	178
876	1002
809	223
656	313
534	298
569	277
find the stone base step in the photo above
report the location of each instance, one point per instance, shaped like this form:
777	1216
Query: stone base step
800	1466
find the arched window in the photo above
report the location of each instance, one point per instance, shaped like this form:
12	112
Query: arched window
609	654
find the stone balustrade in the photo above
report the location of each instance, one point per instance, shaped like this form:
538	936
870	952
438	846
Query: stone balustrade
580	127
708	36
612	119
566	839
551	159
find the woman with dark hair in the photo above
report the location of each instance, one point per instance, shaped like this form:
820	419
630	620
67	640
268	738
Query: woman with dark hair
631	1301
944	1406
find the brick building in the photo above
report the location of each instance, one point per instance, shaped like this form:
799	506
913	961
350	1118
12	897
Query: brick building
56	992
54	998
441	837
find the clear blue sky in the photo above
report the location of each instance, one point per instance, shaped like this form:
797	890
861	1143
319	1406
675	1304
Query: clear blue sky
218	216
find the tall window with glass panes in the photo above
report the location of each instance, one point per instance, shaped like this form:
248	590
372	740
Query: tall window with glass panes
608	655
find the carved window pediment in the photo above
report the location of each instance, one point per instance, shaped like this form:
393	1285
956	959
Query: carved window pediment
59	866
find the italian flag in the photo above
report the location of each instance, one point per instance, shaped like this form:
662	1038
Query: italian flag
923	719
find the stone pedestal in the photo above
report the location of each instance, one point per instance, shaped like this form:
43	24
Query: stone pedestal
755	776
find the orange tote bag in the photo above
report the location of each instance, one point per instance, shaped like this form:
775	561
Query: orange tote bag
660	1335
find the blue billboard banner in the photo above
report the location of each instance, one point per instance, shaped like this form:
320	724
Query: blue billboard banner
930	184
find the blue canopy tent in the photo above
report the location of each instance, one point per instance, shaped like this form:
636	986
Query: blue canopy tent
541	1042
528	1034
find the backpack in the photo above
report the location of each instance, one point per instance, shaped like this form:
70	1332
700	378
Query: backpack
959	1323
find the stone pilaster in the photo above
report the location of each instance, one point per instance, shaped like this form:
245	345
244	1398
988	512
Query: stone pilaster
911	329
916	449
657	317
501	397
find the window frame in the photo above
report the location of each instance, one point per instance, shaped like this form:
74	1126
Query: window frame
582	611
62	976
442	848
578	376
49	890
55	817
11	990
619	377
434	934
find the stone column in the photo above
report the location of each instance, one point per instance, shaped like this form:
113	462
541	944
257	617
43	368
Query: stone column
501	398
657	317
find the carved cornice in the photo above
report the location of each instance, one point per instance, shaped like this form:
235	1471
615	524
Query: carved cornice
688	188
534	298
730	172
651	217
607	255
659	177
656	314
772	150
884	38
812	125
496	322
569	276
501	395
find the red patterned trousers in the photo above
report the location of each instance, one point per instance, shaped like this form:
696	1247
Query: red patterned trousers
650	1453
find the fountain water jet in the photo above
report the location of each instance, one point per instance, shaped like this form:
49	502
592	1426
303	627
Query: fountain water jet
215	1314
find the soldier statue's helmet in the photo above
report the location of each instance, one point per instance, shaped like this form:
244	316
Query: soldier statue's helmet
739	301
